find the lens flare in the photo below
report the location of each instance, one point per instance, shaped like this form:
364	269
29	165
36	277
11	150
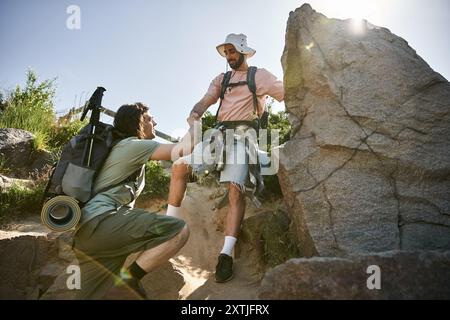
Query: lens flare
310	46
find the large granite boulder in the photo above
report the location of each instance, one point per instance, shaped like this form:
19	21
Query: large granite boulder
388	275
368	165
22	257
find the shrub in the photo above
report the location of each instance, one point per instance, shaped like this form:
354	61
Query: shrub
208	121
156	180
4	169
279	121
18	201
31	109
277	239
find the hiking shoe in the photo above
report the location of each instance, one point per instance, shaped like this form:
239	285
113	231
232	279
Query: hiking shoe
224	268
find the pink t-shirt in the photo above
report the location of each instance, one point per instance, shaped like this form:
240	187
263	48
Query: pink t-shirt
238	101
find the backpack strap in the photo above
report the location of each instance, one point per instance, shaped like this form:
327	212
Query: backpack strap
224	84
223	88
251	83
131	178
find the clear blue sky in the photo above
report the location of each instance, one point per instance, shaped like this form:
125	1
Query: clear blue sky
163	52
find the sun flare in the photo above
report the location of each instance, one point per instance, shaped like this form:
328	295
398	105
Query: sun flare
356	10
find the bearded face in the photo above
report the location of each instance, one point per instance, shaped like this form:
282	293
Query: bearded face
235	64
234	58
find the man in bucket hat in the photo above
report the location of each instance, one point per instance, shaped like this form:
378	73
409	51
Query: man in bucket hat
238	105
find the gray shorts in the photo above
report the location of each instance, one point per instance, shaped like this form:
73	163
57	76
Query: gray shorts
236	170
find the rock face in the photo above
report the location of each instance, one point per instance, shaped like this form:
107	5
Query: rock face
16	146
34	261
402	275
22	259
18	156
368	165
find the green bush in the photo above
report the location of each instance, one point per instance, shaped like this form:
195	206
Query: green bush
18	201
4	169
156	180
279	121
31	109
277	239
208	121
2	102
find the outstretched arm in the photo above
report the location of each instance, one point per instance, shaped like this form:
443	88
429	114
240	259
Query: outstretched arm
186	144
172	151
200	107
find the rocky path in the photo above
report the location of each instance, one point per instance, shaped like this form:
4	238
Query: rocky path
197	260
189	275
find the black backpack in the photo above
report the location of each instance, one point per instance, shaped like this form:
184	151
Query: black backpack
251	83
71	175
84	155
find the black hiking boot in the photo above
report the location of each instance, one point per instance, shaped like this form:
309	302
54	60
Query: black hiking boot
224	268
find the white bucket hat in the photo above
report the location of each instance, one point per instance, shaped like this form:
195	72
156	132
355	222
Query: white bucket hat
239	41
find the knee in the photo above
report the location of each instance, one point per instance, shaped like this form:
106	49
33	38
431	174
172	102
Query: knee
235	193
184	235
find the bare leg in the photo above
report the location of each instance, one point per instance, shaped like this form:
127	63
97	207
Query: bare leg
224	267
178	181
150	259
236	211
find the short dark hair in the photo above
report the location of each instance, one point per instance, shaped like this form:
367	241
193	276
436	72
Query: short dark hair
129	120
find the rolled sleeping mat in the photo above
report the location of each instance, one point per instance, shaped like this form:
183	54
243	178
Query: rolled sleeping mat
61	213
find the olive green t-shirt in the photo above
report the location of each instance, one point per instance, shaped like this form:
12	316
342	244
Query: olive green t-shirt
127	157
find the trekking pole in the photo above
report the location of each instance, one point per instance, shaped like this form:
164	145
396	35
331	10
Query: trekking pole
94	104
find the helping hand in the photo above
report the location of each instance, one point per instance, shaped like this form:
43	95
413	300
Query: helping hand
194	116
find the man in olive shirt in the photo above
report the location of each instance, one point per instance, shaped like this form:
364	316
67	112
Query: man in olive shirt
111	229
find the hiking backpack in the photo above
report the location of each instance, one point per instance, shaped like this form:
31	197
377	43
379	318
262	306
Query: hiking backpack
83	156
251	83
72	176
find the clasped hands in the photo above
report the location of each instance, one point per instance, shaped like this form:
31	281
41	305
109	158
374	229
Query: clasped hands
194	116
